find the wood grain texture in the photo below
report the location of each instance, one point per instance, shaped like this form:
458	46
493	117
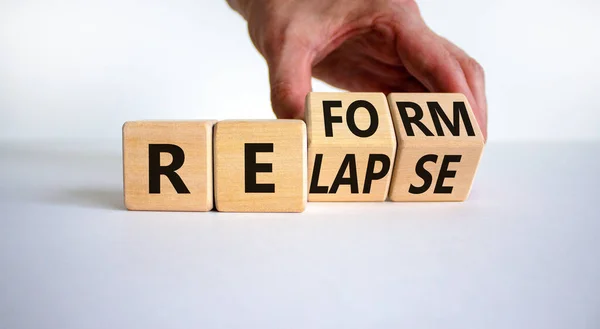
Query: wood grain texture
195	139
287	171
448	142
335	145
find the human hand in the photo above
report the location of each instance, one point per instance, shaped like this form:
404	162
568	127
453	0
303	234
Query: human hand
357	45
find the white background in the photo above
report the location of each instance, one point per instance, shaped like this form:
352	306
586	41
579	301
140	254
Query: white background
79	69
520	253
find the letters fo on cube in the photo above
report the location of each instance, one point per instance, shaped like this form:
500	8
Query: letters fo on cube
260	166
351	146
168	165
439	147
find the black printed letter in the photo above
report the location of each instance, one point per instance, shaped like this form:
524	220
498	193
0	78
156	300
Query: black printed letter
459	109
424	174
314	181
416	120
371	175
251	168
445	173
372	113
328	119
155	170
349	161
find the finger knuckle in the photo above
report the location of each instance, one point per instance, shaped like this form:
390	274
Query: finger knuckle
281	90
271	42
277	37
474	67
283	96
436	65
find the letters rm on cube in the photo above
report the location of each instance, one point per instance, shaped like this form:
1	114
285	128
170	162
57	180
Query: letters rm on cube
260	166
168	165
439	147
351	146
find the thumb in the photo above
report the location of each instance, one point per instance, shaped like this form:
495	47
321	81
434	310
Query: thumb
290	74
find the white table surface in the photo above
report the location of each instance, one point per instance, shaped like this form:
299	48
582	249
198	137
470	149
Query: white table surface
522	252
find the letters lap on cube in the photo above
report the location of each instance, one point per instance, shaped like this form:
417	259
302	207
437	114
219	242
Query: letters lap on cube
351	146
439	147
167	165
260	166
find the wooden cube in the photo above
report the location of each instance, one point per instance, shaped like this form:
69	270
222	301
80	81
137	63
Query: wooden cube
351	146
168	165
260	166
439	147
